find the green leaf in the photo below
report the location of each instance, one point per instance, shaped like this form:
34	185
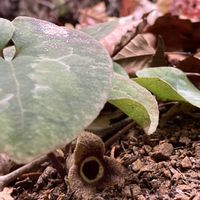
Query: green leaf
169	84
119	69
135	101
6	32
101	30
53	88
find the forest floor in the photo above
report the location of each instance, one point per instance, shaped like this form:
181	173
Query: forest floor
165	165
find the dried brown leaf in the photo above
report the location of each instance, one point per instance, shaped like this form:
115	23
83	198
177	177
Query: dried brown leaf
186	9
94	15
5	194
136	47
175	57
191	66
159	59
136	54
178	34
125	25
127	7
164	5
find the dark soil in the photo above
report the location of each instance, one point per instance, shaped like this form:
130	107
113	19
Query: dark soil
165	165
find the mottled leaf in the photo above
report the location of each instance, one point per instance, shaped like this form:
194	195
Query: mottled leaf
53	88
169	84
119	69
6	32
135	101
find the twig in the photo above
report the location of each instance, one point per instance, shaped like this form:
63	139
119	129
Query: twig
105	132
8	178
118	135
192	74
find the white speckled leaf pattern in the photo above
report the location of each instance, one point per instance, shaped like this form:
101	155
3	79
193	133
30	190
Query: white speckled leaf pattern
55	86
6	32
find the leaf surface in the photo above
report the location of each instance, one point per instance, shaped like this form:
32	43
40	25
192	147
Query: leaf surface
135	101
53	88
6	32
99	31
169	84
119	69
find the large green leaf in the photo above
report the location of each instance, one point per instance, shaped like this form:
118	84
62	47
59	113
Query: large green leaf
169	84
6	32
135	101
53	88
119	69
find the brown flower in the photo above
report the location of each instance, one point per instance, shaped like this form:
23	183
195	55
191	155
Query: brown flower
91	171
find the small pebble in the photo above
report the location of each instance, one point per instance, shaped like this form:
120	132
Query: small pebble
186	163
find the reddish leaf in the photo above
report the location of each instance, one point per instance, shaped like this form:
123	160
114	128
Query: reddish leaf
191	66
187	9
114	38
127	7
175	57
178	34
94	15
6	194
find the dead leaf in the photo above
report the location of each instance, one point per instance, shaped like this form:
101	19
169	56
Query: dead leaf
175	57
138	46
178	34
159	58
186	9
127	7
164	6
5	194
191	65
136	54
94	15
143	7
125	25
